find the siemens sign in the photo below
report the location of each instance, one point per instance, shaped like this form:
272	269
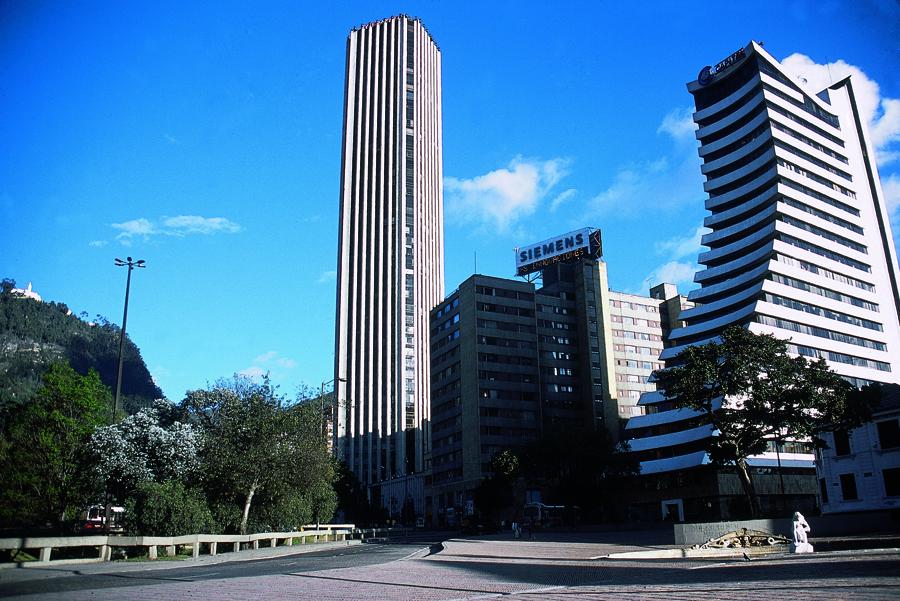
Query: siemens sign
580	243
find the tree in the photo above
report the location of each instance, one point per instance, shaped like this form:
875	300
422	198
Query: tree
256	445
495	493
45	471
141	449
751	391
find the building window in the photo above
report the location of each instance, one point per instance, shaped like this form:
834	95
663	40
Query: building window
841	442
891	481
889	434
848	487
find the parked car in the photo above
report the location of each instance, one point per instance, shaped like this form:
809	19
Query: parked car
93	520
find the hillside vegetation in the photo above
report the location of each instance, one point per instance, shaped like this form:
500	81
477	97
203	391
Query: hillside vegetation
34	334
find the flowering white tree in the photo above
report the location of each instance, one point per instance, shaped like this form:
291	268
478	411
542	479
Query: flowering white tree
139	449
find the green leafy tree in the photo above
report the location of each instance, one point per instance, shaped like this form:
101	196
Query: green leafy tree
168	508
495	493
257	446
45	472
750	390
582	468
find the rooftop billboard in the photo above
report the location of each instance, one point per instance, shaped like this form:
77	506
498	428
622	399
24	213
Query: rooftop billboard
579	243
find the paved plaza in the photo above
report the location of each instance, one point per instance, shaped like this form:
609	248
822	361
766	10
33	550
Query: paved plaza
564	568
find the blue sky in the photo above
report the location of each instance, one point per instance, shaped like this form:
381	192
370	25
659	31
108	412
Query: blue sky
207	142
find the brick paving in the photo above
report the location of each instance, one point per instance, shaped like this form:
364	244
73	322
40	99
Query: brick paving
485	568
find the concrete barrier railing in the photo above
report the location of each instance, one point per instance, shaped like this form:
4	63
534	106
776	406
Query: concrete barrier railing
234	542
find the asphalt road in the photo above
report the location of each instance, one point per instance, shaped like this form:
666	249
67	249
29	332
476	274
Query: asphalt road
96	577
472	568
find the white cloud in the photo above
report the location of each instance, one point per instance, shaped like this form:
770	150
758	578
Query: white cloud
680	273
264	363
682	246
327	276
97	243
679	124
891	187
881	114
181	225
266	357
194	224
500	197
562	198
253	372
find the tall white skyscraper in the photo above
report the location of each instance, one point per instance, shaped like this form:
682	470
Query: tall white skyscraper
800	248
390	250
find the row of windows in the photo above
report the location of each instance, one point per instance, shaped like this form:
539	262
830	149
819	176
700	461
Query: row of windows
802	328
821	311
818	195
504	293
633	306
807	105
637	335
831	275
506	395
558	371
808	351
798	119
638	350
559	355
810	142
823	252
555	325
497	376
553	309
816	178
847	482
445	310
446	325
815	161
822	215
505	359
505	326
651	365
558	340
506	343
567	388
812	229
634	321
888	437
632	378
807	287
505	309
527	416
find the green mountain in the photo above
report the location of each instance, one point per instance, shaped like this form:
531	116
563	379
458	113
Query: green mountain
33	334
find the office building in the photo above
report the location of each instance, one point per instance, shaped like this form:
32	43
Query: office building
800	248
390	252
511	361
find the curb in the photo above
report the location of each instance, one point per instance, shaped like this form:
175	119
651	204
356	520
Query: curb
747	554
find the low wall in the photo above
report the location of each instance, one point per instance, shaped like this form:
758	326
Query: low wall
696	534
832	525
214	542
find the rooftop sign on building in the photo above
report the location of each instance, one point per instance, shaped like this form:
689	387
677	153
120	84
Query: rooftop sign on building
579	243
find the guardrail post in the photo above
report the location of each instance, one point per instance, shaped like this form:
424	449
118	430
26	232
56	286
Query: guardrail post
273	543
290	541
105	553
45	553
151	551
195	548
171	550
256	543
212	547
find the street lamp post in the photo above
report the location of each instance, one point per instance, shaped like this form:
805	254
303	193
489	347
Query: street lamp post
131	265
322	401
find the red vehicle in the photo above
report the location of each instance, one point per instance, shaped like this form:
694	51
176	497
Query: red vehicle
93	520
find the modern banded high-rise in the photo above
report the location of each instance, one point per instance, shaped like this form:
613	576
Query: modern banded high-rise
390	248
800	248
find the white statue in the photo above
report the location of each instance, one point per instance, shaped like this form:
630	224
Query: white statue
801	542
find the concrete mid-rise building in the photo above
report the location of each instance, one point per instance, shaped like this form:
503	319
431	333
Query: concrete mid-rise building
390	253
512	361
800	247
